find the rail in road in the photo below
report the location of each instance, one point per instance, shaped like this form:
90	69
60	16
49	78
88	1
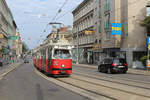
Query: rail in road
117	77
99	88
138	85
118	80
111	90
129	72
92	95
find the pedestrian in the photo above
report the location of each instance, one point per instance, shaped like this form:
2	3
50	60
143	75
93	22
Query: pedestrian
1	60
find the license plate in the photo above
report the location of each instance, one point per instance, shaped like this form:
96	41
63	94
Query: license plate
120	66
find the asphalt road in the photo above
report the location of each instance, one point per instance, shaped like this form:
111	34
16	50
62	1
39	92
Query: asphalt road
24	84
93	71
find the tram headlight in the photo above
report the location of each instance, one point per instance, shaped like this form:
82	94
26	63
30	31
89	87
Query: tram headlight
62	65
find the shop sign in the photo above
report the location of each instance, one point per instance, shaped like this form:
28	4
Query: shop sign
89	32
1	36
116	29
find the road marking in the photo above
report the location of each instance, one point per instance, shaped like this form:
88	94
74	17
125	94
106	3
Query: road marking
77	90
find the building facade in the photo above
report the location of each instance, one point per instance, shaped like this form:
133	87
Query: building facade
18	46
59	33
98	15
7	29
132	43
83	21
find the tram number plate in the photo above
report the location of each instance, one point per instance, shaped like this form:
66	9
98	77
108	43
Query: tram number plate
63	72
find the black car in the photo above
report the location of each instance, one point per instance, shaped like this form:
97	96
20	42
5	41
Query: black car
26	60
112	65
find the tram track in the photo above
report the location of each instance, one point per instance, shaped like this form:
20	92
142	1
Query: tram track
87	90
118	77
97	89
95	86
128	72
104	89
118	81
91	95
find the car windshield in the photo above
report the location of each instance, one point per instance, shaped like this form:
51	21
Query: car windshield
62	54
118	61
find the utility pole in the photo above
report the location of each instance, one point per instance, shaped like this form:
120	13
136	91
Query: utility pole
77	46
147	37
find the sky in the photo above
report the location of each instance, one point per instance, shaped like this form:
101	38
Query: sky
32	16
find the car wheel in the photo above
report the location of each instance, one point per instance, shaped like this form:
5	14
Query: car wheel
124	72
99	69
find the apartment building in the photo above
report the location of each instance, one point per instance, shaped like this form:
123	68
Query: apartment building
59	33
18	46
83	21
7	28
132	43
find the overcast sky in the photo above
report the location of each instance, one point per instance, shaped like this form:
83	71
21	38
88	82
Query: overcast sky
32	16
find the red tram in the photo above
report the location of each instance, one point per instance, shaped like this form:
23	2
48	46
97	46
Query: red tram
54	59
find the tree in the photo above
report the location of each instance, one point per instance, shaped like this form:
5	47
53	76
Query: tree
24	47
146	23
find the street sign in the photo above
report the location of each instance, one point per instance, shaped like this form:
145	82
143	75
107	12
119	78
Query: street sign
89	32
13	37
116	29
1	36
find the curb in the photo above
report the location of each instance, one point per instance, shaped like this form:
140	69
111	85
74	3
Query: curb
73	89
10	70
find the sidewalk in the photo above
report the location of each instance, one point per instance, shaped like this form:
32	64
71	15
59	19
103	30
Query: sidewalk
4	70
130	70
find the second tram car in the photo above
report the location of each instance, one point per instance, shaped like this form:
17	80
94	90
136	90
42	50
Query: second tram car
54	59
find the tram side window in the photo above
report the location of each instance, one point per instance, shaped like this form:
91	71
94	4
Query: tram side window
49	54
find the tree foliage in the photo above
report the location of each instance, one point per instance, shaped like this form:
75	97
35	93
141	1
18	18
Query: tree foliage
146	23
24	47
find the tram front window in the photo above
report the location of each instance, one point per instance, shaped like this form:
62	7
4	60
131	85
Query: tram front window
62	54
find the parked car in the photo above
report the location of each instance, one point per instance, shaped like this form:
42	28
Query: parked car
112	65
26	60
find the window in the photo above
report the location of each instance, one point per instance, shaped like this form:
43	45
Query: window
99	27
107	21
107	6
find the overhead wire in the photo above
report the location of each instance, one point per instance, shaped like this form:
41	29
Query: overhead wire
112	11
59	10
